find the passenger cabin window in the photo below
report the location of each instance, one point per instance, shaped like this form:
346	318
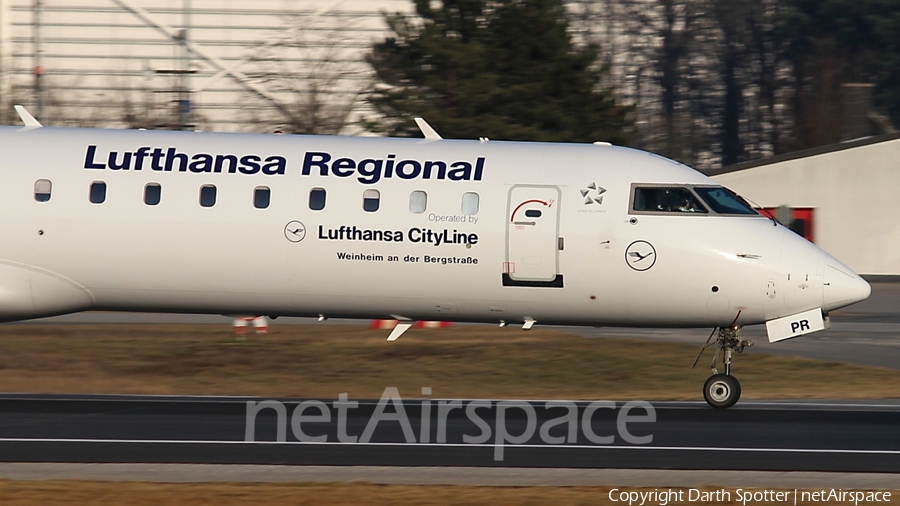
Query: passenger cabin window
98	192
317	199
261	197
418	201
42	190
724	201
152	194
207	195
470	203
371	200
667	200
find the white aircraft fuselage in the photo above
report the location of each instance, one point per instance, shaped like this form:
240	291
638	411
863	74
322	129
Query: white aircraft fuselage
555	236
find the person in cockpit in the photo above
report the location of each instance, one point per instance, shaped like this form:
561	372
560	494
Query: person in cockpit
688	205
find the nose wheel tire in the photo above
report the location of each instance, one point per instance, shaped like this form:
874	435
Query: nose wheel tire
722	391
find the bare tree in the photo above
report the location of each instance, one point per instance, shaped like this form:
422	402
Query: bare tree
709	78
314	74
648	46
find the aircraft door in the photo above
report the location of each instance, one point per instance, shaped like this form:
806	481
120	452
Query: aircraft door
532	237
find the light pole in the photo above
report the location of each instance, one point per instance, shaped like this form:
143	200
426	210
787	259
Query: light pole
38	67
185	105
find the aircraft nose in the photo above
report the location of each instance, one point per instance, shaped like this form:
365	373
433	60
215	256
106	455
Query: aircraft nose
842	286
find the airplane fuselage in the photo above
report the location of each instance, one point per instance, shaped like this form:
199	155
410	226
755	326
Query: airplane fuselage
375	228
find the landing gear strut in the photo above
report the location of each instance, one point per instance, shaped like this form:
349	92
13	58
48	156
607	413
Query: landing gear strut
723	390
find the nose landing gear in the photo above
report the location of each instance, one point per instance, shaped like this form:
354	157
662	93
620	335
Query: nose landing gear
723	390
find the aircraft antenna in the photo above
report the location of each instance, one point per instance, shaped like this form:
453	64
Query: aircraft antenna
27	118
426	129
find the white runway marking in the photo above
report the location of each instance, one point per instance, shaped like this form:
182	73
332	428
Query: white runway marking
461	445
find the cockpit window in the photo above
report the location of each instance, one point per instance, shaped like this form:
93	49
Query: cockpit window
723	200
667	200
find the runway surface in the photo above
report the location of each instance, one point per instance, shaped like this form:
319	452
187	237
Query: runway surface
838	437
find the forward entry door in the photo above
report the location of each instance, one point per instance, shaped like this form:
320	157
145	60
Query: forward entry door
532	237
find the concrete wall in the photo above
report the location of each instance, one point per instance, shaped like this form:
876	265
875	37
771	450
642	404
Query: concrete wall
855	193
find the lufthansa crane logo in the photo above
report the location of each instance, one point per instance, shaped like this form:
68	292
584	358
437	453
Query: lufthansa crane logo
593	194
640	255
294	231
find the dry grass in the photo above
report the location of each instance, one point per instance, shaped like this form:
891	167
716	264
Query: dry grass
459	362
154	494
